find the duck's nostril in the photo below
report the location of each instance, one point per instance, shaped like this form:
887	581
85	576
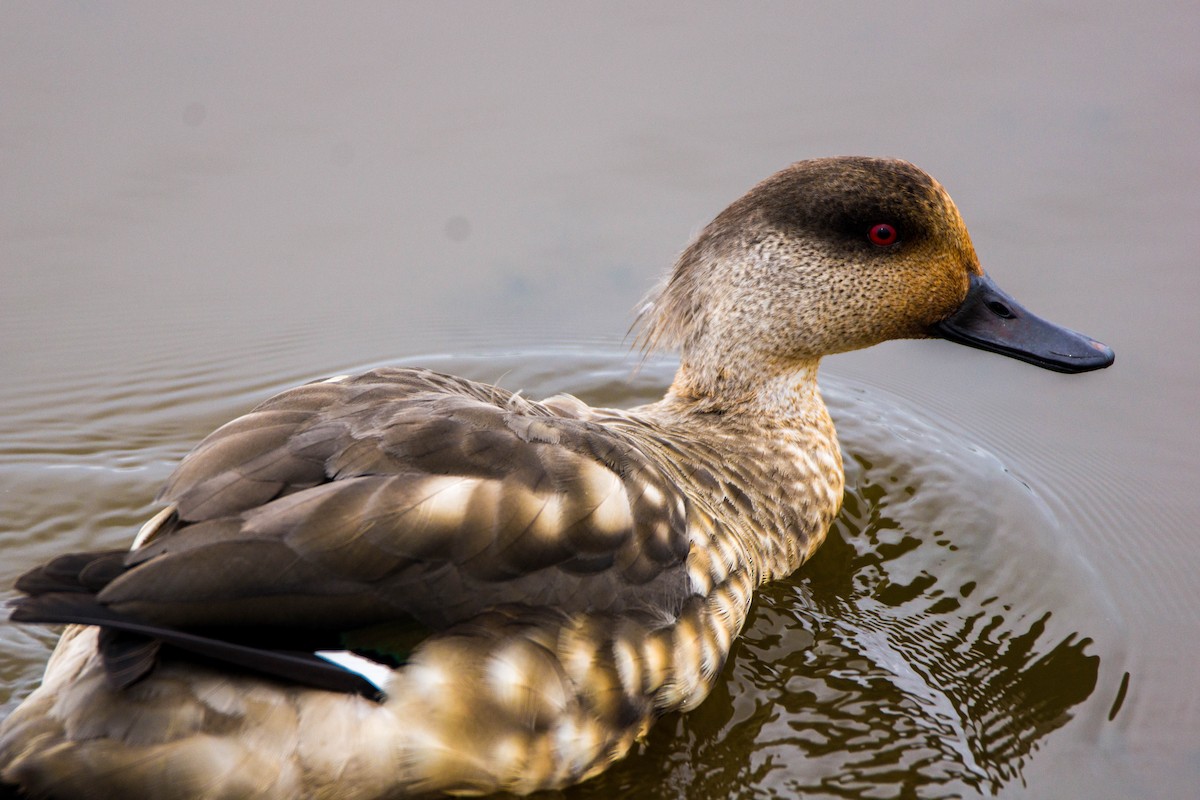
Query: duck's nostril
999	309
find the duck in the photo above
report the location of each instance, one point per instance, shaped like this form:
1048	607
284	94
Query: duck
404	583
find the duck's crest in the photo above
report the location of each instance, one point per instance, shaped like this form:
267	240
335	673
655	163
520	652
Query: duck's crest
669	313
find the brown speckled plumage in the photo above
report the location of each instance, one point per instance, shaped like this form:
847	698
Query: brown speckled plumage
578	571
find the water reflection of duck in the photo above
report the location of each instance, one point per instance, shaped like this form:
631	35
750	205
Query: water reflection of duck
542	579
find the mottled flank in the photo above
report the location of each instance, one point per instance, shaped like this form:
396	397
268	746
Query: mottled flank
543	579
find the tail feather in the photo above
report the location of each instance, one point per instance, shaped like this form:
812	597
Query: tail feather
132	657
128	657
74	572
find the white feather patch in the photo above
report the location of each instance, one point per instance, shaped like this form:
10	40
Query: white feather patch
377	674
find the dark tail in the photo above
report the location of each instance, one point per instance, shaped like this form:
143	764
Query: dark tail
63	591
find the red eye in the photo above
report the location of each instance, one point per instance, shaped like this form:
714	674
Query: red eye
883	234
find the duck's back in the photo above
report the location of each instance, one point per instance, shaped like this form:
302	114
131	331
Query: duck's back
405	493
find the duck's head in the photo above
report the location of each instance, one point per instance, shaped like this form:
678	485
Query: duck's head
832	255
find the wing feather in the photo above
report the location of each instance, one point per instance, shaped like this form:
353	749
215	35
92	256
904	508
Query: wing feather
407	493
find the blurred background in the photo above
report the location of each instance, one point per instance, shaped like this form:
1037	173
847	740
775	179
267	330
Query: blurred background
205	203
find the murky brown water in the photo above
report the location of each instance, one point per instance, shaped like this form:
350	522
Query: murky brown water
202	207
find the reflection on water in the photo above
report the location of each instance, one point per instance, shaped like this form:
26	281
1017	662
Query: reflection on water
925	673
923	651
905	684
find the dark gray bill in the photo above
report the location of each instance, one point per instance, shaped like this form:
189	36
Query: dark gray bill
991	320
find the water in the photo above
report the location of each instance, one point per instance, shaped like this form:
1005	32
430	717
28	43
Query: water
201	208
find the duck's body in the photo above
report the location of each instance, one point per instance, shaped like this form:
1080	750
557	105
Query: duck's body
578	571
645	569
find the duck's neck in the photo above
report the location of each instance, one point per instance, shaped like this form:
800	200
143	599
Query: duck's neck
771	395
766	438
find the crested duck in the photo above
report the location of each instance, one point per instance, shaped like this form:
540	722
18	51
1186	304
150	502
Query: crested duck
531	583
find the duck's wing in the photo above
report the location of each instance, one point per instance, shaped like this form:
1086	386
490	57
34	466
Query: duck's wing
404	493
